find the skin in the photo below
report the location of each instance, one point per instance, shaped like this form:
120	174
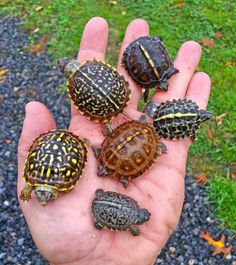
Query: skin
64	231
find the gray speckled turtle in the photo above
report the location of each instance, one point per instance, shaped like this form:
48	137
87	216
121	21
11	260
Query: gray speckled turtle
148	63
177	118
117	212
97	89
53	166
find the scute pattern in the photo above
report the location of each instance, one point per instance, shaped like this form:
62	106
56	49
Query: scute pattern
115	211
178	119
98	91
148	62
56	158
130	150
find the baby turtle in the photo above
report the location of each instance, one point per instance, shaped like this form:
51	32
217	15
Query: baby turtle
53	166
117	212
148	63
97	90
178	118
129	151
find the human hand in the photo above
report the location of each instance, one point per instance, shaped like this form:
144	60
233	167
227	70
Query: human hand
64	231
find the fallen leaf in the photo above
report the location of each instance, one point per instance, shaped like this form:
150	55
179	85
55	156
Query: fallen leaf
39	47
202	177
218	34
8	141
210	133
233	175
179	3
213	84
230	63
207	43
35	30
219	245
3	71
38	8
219	119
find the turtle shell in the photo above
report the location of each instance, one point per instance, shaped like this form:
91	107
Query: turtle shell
179	119
117	212
56	159
129	151
148	63
98	90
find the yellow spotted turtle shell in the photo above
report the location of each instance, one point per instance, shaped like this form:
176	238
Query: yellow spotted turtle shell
130	150
98	91
56	159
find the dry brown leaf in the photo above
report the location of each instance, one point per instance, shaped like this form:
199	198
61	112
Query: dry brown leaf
218	34
202	177
3	71
40	46
218	244
179	3
219	119
210	133
8	141
230	63
233	175
207	43
38	8
213	84
198	68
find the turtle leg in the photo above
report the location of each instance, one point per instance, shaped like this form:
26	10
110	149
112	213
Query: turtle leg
134	230
143	118
124	181
97	226
102	172
145	94
163	148
97	151
107	129
26	193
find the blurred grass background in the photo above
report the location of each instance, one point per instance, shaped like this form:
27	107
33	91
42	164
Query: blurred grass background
59	25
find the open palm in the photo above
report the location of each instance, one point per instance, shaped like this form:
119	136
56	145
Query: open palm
64	231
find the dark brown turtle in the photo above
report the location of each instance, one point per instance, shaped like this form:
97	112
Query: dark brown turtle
117	212
129	151
148	63
96	88
53	166
177	118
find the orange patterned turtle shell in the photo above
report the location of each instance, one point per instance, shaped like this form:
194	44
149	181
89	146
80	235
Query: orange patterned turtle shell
129	151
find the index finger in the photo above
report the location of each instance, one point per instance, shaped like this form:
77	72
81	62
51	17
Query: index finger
93	45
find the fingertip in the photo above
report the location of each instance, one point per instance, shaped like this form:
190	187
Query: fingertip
189	52
199	89
94	39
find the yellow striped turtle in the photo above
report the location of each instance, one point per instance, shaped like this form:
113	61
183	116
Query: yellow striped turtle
53	166
97	89
148	63
177	118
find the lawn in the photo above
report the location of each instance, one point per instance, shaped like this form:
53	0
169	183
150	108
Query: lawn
211	23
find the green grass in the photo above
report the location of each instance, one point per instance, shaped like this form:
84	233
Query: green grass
222	192
63	22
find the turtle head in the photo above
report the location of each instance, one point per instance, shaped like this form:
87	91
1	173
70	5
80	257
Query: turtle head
205	115
143	216
67	67
45	194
